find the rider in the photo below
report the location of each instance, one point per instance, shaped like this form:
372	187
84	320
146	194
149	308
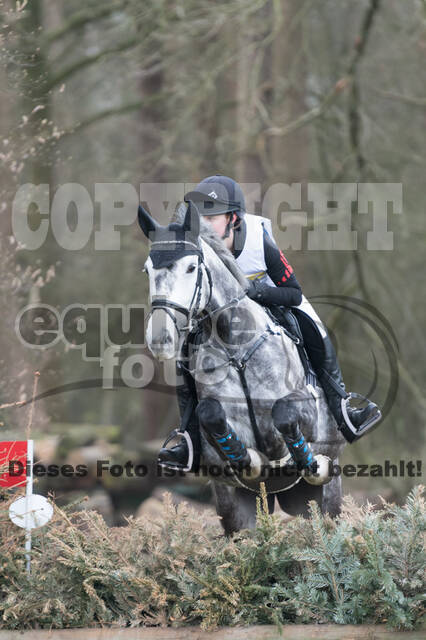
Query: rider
272	282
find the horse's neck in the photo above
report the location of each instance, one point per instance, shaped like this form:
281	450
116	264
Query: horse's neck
226	288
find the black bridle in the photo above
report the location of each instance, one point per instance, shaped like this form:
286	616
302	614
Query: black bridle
192	312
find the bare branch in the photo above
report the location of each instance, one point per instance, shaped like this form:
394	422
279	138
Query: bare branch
414	100
63	75
312	114
106	113
80	19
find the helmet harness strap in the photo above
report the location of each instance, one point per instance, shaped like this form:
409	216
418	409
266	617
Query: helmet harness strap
230	225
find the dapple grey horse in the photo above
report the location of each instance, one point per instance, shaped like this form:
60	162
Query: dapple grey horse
202	282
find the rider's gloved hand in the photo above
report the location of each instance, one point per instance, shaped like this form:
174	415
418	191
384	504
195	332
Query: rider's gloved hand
268	295
256	290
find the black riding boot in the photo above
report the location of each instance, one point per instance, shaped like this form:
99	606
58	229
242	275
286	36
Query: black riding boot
178	455
330	377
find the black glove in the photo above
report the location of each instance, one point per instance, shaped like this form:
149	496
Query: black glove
256	290
269	295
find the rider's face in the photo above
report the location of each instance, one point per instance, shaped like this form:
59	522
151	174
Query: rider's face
219	223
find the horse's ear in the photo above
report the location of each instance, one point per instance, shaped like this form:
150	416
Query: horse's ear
191	222
146	222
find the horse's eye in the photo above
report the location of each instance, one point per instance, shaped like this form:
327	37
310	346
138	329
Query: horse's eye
191	268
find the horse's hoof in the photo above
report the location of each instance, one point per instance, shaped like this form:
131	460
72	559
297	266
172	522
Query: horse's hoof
323	473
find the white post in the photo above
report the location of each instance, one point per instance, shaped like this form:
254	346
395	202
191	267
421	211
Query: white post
28	493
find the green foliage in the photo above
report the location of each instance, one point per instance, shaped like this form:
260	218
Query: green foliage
366	566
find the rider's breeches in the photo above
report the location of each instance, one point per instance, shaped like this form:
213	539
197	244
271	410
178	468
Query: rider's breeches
325	364
322	355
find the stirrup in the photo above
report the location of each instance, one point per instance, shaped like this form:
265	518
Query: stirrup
354	433
175	465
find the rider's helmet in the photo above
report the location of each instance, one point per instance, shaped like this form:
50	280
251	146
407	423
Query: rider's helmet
217	194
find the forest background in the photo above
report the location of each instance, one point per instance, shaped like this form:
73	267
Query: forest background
169	91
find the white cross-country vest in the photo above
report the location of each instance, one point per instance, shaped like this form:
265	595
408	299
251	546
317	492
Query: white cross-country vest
252	260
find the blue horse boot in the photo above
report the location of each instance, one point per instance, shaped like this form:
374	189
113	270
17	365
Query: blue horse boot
287	414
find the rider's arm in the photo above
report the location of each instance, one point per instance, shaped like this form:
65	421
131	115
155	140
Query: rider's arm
287	291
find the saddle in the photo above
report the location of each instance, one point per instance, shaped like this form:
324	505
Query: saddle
300	328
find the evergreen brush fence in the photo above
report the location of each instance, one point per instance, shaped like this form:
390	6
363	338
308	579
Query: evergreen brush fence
367	566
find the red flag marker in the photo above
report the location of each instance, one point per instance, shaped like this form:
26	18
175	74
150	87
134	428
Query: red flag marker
13	458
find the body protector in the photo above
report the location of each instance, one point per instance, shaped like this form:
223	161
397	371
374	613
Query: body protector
252	263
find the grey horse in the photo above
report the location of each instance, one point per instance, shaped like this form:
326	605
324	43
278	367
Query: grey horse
194	281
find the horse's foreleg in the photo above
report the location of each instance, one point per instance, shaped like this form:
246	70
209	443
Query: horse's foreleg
223	438
236	506
212	419
292	416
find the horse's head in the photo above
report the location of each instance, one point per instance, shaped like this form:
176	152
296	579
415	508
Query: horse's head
179	284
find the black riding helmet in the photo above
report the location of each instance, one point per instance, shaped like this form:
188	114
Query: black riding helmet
218	194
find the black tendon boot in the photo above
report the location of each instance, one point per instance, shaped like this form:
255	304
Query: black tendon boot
178	457
331	380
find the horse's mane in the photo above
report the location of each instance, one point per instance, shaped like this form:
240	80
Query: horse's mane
209	235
